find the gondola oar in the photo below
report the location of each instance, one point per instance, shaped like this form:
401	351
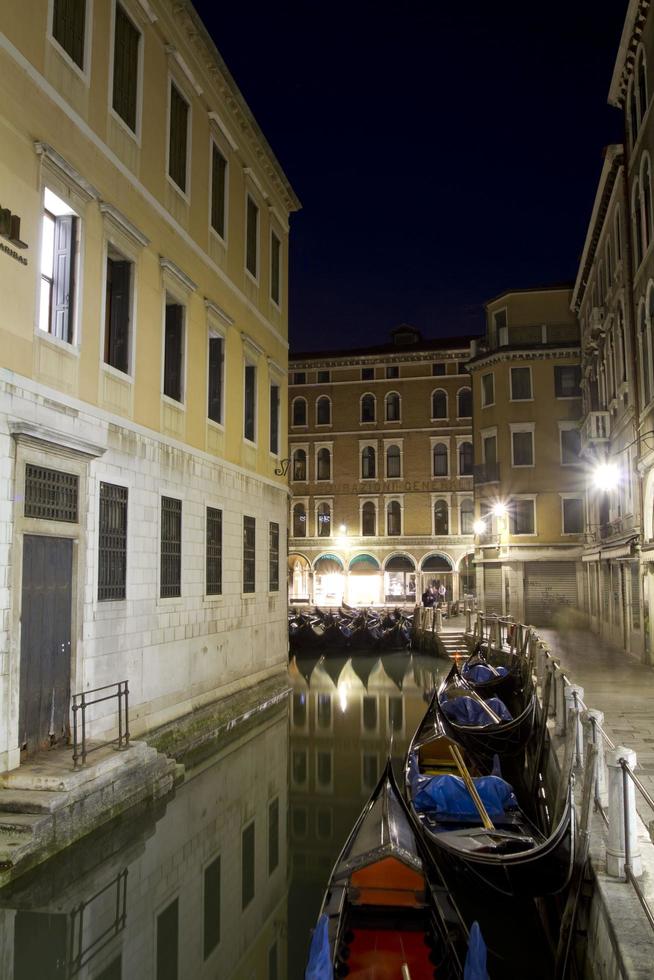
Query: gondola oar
496	718
472	789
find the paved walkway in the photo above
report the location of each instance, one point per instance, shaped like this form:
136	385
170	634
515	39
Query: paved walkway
618	685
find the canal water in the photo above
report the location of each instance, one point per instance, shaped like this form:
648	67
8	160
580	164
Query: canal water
225	878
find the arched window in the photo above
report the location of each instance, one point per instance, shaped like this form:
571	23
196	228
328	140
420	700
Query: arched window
368	408
392	407
637	224
440	459
299	465
439	405
393	463
464	403
646	193
641	80
466	514
441	519
393	518
465	459
368	519
633	112
299	411
368	463
324	464
299	521
324	520
323	411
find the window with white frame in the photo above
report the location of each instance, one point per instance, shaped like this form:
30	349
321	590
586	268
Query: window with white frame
570	445
522	515
440	459
125	83
393	462
368	408
572	515
250	402
368	463
368	519
299	411
299	520
393	518
567	381
439	404
323	464
216	378
174	343
392	403
489	448
274	418
119	275
218	191
367	374
438	368
59	260
324	519
178	141
464	403
69	24
465	459
521	384
275	269
466	515
487	389
252	238
299	469
323	411
441	517
522	446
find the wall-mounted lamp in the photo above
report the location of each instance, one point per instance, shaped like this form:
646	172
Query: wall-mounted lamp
479	527
606	477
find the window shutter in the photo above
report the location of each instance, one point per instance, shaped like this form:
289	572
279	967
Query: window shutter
64	274
173	352
119	314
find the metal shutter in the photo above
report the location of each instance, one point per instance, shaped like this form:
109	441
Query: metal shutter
493	589
549	588
635	595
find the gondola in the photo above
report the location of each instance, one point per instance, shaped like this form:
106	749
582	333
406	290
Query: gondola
363	667
361	630
333	665
306	662
386	904
496	672
514	856
483	735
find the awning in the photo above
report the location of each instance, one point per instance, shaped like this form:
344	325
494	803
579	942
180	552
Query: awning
364	565
622	551
400	563
328	563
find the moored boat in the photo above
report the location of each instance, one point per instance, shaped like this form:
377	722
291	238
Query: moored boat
496	672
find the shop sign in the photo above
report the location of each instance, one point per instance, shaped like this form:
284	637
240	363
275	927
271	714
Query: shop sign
10	231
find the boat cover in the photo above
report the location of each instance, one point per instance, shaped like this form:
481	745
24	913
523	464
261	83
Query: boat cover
467	711
319	965
475	964
447	796
481	673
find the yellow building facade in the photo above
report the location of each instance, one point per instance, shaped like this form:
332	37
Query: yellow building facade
143	270
380	470
529	487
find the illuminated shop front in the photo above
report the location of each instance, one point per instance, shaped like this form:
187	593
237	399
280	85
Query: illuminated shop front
400	579
328	581
364	586
467	584
436	570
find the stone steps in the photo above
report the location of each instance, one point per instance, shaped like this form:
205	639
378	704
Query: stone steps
30	801
453	643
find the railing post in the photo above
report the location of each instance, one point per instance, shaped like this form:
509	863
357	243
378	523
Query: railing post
468	619
553	664
83	708
595	721
541	665
622	848
75	754
479	627
574	695
126	714
438	620
561	707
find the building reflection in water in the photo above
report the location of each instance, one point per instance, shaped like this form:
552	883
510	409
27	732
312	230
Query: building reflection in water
195	888
342	715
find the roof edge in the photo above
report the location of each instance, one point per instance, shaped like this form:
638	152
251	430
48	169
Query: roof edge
617	88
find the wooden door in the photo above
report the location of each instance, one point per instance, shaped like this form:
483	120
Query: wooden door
45	651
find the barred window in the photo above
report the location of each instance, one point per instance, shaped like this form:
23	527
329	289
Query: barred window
249	553
112	535
214	551
178	137
51	495
69	27
171	547
126	68
273	558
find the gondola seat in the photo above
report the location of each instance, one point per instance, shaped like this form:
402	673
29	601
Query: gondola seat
387	882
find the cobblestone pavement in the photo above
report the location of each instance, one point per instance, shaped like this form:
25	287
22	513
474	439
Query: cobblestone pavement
618	685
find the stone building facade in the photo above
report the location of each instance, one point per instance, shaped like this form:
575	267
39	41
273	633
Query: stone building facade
143	259
380	470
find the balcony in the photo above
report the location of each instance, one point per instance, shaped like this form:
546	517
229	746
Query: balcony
487	473
595	431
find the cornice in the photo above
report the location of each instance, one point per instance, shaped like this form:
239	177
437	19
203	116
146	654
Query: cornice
368	360
543	353
626	57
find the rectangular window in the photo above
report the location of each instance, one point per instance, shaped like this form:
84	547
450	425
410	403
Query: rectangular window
520	384
174	351
112	542
211	907
218	190
570	446
438	369
274	419
69	28
299	378
487	389
273	835
273	558
249	553
247	865
392	371
521	519
567	381
323	377
58	261
462	367
178	137
168	942
118	302
573	515
489	445
250	402
216	369
214	551
275	269
499	322
171	547
126	68
252	238
523	448
367	374
50	494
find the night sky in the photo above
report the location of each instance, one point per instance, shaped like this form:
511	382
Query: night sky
442	152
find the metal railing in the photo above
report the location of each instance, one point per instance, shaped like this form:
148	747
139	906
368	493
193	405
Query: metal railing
83	701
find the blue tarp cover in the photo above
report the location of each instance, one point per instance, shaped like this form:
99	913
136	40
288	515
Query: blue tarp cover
448	797
319	965
468	711
475	965
480	673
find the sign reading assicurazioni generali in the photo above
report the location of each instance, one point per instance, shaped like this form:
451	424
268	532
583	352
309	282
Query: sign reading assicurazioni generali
10	231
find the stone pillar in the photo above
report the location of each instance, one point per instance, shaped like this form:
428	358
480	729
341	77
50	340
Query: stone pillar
438	620
594	722
468	619
619	835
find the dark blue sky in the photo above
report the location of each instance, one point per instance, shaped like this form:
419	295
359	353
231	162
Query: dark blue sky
442	152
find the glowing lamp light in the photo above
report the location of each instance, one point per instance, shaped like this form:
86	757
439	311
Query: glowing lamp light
342	529
479	527
499	510
606	476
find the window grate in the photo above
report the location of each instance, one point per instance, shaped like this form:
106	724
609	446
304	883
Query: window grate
171	547
51	495
274	558
214	551
112	552
249	553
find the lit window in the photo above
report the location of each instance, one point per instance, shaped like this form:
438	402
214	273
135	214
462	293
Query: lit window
58	265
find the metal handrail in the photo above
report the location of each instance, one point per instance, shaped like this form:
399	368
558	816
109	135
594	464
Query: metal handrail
80	702
628	773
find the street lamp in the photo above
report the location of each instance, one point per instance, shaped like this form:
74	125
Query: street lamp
499	510
606	477
479	527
